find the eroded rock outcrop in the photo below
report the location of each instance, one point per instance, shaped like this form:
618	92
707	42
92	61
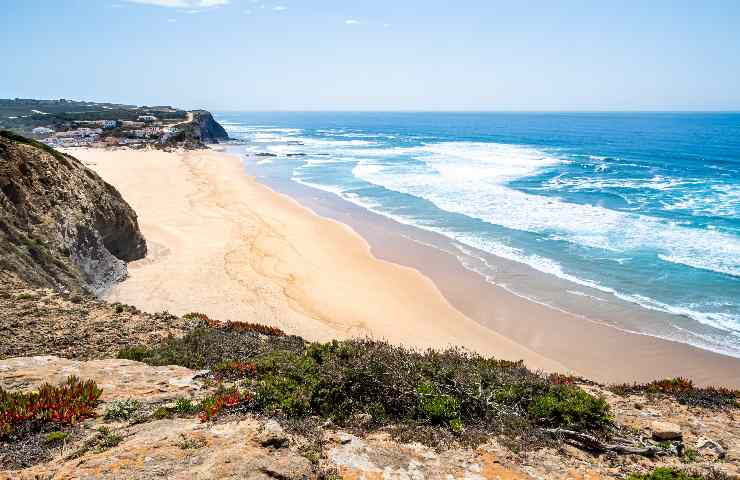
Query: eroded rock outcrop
61	225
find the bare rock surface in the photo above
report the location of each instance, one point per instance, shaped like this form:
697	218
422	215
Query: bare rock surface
119	379
181	449
378	456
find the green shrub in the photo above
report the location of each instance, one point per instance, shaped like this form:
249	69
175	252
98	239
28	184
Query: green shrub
377	411
438	408
690	455
233	370
106	439
24	296
206	347
343	380
161	413
456	425
570	407
683	391
666	473
185	406
122	409
278	393
56	437
136	353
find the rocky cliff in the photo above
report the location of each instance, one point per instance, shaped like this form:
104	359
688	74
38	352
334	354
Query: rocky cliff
201	129
208	129
61	225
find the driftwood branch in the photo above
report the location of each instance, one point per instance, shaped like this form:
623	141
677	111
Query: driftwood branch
589	442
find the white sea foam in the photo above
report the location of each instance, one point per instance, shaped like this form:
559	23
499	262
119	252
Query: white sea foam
470	179
721	200
657	182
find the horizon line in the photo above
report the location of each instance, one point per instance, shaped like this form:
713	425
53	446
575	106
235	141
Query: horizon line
467	111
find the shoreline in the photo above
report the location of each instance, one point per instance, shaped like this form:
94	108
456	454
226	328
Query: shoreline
594	349
232	248
485	317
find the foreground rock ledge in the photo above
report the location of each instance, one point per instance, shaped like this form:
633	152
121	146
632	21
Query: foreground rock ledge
254	447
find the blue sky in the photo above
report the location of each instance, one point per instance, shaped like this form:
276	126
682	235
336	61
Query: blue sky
376	55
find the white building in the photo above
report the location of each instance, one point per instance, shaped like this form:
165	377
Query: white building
42	131
105	123
147	118
147	132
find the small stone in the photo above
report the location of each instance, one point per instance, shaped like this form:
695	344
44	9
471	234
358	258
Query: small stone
666	431
273	435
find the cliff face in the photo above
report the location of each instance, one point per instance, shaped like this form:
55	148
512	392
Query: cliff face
197	132
61	225
208	129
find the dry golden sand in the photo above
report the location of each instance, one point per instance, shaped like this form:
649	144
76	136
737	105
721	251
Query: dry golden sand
223	244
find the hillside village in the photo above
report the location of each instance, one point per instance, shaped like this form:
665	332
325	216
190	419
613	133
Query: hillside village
105	133
67	123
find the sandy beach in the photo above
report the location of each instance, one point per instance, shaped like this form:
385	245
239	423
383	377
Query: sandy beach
226	245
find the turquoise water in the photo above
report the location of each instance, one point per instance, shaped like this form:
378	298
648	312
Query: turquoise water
642	207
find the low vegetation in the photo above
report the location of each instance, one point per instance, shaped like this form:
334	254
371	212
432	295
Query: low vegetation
235	326
66	404
368	384
668	473
211	407
233	370
207	346
35	425
122	410
683	391
56	437
185	406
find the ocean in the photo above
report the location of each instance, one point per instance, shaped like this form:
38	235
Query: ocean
621	208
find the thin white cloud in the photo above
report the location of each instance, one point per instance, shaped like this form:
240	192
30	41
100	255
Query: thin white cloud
247	12
351	22
192	4
280	8
171	20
